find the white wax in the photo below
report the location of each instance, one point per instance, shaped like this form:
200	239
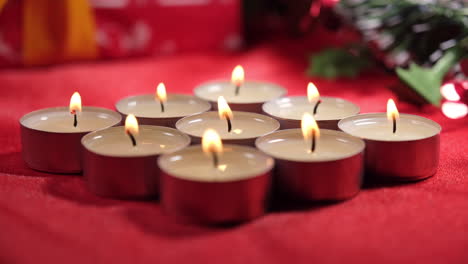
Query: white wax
375	126
289	144
294	107
151	140
250	91
59	119
177	105
235	163
244	125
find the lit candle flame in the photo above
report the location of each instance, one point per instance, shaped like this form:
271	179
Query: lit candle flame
211	142
313	94
161	92
309	126
212	145
310	130
224	111
131	125
392	113
75	103
237	77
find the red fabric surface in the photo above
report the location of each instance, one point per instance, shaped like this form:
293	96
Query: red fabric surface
47	218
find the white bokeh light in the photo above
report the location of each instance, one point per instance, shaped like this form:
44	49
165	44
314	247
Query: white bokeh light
454	110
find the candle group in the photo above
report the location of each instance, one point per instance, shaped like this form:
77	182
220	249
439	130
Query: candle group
215	182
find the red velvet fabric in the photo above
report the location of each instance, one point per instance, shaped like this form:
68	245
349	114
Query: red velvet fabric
47	218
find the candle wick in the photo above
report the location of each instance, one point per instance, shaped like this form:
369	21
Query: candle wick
75	120
316	106
162	105
394	123
237	89
312	149
229	124
215	159
132	138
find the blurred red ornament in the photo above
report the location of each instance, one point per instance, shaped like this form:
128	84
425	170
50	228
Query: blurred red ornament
464	66
323	10
455	95
317	6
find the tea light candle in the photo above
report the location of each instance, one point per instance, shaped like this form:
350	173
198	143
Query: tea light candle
161	109
214	184
50	137
121	162
399	147
234	127
327	111
313	164
241	95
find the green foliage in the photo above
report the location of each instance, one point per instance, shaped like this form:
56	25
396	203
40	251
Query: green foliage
335	63
432	35
427	81
423	81
417	27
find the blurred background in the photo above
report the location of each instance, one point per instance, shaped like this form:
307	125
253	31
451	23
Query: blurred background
40	32
335	39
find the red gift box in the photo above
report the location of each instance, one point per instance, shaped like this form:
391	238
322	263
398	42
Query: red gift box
140	27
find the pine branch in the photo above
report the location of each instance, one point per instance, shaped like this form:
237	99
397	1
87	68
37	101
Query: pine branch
433	36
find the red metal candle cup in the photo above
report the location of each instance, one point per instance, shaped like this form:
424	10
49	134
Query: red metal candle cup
51	143
246	127
195	191
114	168
332	172
252	94
412	153
148	109
289	110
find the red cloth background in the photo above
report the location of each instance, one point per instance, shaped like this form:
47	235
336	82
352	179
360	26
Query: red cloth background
47	218
129	28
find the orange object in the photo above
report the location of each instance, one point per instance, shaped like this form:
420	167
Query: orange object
2	3
57	31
